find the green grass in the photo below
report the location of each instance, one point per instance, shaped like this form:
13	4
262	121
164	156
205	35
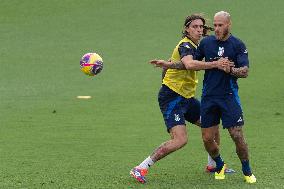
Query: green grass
50	139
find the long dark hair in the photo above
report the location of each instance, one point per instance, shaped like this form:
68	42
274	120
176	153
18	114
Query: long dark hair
192	17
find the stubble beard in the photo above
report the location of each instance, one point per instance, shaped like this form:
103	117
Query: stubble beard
224	35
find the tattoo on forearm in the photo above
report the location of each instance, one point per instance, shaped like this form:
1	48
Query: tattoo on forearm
178	66
241	72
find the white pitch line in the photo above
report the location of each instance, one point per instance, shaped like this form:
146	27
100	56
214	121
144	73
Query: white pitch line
84	97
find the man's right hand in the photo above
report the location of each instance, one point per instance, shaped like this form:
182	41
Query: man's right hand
225	64
160	63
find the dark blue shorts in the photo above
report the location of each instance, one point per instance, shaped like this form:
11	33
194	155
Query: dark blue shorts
227	108
176	109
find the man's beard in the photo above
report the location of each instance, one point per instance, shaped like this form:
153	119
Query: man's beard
224	34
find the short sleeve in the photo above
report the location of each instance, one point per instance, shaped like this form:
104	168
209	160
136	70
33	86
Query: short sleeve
242	56
185	49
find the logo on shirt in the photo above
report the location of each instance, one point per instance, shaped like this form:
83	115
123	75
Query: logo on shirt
187	46
240	120
246	51
177	118
221	51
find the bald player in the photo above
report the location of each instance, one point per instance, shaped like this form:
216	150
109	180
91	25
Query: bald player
220	100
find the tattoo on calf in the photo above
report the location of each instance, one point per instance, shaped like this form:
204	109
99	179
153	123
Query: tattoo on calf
160	152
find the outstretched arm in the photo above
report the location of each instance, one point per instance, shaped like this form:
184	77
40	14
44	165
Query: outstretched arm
187	63
168	64
191	64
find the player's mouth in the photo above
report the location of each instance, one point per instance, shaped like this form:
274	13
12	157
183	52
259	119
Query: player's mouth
218	35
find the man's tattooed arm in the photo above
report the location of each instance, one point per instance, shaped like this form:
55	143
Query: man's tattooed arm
241	72
177	65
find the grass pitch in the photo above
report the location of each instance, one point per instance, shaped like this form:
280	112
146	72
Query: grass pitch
51	139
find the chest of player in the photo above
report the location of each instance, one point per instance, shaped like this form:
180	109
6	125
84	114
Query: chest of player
219	49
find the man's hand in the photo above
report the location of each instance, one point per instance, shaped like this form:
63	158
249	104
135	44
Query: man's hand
161	63
224	64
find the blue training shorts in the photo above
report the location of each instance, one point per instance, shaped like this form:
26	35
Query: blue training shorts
227	108
176	109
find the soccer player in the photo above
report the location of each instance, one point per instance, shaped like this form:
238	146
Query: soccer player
220	98
176	96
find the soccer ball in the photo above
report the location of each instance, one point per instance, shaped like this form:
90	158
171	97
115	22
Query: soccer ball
91	64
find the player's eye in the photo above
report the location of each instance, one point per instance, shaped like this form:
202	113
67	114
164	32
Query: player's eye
197	26
218	25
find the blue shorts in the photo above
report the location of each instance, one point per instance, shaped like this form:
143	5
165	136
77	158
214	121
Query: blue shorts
176	109
227	108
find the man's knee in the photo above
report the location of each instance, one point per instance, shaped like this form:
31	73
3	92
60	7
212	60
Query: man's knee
179	136
237	134
207	137
181	140
207	140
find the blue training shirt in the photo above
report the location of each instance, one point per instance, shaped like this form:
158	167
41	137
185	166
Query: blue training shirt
216	82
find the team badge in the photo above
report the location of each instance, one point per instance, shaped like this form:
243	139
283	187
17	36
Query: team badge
221	51
177	118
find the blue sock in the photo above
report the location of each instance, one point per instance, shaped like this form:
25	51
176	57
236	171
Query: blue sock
246	168
219	163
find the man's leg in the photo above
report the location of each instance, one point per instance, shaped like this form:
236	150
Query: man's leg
178	140
210	162
210	167
242	151
208	135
